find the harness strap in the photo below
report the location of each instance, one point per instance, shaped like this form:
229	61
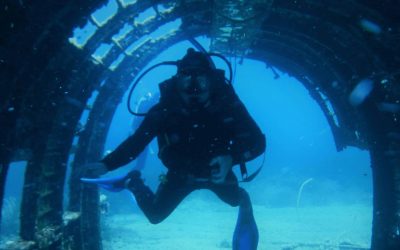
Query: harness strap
243	171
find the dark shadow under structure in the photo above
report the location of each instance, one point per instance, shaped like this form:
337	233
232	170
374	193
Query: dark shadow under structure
46	81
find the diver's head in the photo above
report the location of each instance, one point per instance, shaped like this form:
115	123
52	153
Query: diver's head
194	79
194	90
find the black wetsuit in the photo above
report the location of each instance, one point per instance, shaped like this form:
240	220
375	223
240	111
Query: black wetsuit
188	140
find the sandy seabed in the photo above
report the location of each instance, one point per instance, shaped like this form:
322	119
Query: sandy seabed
208	224
201	225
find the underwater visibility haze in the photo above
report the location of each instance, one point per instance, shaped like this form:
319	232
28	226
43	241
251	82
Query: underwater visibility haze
320	81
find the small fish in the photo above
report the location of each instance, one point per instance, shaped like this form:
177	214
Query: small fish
370	26
361	91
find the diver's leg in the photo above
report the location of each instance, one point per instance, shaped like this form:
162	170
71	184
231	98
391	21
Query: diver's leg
246	233
157	206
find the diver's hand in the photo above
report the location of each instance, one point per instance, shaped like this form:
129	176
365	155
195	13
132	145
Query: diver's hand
223	165
94	169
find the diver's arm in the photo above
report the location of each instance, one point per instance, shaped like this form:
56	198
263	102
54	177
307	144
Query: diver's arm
128	150
248	142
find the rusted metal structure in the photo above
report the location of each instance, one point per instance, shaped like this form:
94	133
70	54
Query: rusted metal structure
46	79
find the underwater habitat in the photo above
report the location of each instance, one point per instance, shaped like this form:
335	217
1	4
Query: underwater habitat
200	125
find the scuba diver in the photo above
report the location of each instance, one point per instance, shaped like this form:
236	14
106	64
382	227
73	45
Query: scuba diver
203	130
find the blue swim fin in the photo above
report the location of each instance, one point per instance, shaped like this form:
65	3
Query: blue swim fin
113	184
245	236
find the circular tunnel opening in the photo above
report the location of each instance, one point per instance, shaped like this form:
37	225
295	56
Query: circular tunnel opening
292	176
307	193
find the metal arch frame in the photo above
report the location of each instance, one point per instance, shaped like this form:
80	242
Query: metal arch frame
380	163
